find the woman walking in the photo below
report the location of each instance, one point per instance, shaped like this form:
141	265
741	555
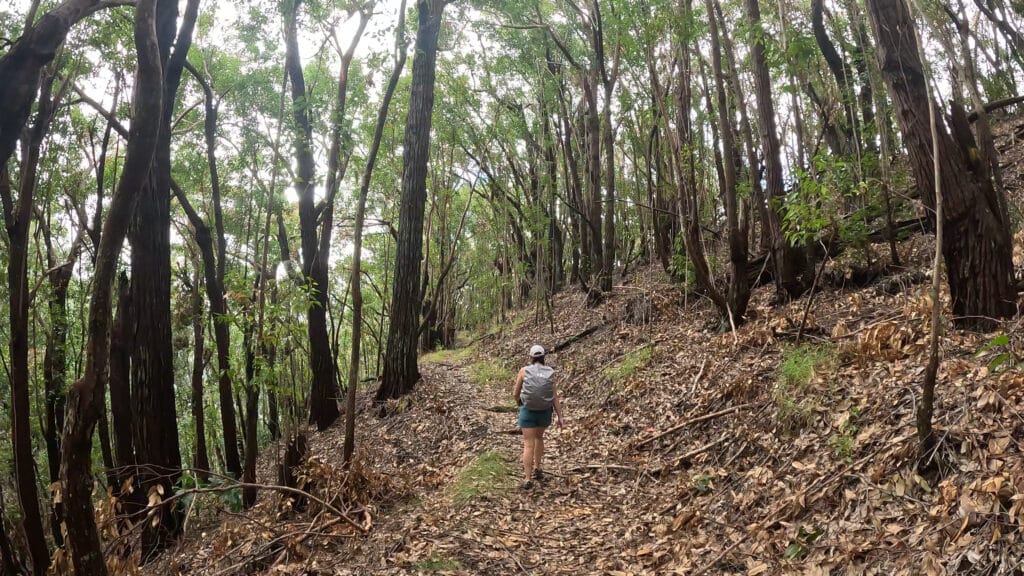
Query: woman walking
536	396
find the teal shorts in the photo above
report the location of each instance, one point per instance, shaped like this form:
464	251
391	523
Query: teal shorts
534	418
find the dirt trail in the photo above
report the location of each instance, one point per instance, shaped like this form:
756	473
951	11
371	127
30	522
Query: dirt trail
572	523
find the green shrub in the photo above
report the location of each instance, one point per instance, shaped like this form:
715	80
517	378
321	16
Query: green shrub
629	365
485	476
452	356
438	563
487	372
800	364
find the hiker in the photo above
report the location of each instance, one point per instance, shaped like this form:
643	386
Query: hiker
536	396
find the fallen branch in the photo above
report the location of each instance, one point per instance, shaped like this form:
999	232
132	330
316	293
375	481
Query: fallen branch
574	339
691	422
604	467
701	450
231	485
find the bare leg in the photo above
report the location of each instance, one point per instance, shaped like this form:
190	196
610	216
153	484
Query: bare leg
538	451
529	437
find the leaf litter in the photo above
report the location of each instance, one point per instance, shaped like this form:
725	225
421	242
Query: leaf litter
642	480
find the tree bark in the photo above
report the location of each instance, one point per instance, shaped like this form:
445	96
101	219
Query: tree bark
17	219
976	246
155	421
324	388
86	397
786	259
200	457
400	363
739	286
214	268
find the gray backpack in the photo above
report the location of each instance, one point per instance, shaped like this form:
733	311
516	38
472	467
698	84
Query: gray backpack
538	392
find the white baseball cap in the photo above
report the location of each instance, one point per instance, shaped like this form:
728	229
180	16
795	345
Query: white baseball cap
536	351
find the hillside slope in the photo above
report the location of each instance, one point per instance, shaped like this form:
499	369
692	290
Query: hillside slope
688	451
806	465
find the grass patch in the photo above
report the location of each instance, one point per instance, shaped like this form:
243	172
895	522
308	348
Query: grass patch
485	476
438	563
492	371
629	364
452	356
800	365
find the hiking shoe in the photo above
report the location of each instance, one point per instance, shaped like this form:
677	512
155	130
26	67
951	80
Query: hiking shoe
538	475
527	485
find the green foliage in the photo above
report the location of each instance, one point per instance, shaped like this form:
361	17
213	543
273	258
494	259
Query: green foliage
800	365
489	372
800	545
448	356
438	563
680	267
629	365
844	441
822	200
1000	354
485	476
703	483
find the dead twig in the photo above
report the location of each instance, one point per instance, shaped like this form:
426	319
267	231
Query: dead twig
701	450
691	422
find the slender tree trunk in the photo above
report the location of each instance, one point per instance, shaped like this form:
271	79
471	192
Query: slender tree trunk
200	460
17	215
355	279
214	270
400	363
86	397
324	389
120	388
593	170
54	376
786	259
739	286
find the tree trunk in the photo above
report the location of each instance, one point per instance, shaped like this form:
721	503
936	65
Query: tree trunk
592	130
17	219
86	397
786	259
155	421
976	246
200	460
120	388
739	286
54	376
324	389
400	363
841	71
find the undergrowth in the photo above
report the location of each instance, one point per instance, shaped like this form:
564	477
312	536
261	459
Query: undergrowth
487	372
486	475
438	563
800	365
629	365
449	356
